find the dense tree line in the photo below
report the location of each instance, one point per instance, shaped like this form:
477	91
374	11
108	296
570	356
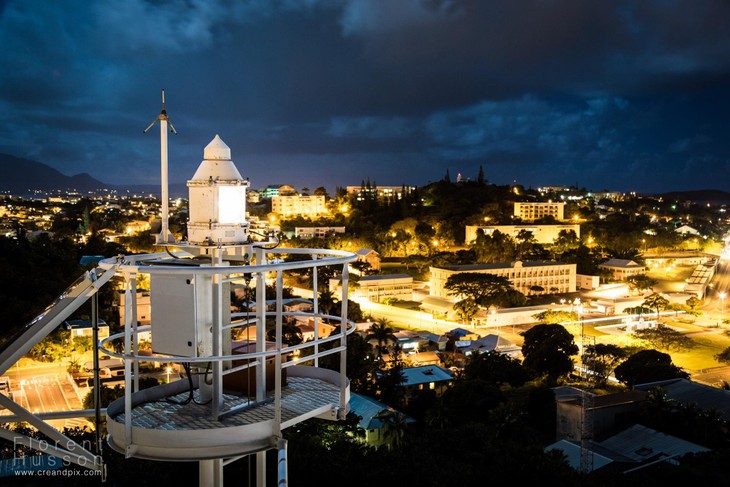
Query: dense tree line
36	271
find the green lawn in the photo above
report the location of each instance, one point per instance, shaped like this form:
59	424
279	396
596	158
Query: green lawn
702	356
708	343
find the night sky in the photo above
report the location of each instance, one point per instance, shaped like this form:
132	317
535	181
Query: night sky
617	95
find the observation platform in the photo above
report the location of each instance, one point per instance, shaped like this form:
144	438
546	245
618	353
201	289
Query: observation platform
164	427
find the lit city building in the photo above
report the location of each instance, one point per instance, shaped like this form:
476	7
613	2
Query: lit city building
309	206
316	232
622	268
385	286
553	277
543	234
535	210
380	192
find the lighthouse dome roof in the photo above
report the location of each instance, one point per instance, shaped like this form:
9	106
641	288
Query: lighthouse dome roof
217	163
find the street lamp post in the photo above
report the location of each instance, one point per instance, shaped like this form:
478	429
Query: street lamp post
168	370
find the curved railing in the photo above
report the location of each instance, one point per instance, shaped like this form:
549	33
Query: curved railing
325	257
218	268
191	359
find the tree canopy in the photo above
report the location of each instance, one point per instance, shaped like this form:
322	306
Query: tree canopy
553	317
641	282
484	289
664	338
496	368
548	350
648	366
601	359
656	302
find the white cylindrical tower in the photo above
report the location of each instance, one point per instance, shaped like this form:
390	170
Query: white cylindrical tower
217	199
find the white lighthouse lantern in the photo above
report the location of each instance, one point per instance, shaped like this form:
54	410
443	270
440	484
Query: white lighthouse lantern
217	199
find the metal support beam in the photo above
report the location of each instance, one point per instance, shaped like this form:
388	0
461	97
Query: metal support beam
315	310
210	473
97	379
277	357
261	469
282	470
76	453
69	301
260	326
217	366
342	410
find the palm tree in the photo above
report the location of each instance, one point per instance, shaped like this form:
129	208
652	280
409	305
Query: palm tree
383	333
326	301
394	427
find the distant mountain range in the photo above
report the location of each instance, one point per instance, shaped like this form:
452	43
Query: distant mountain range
23	176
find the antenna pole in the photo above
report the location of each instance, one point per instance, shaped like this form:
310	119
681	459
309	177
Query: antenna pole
165	237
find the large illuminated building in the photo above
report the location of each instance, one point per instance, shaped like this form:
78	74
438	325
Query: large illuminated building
297	205
532	211
551	277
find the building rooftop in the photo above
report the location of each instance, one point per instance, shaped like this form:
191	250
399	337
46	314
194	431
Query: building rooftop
624	263
371	412
378	277
425	374
500	265
687	391
640	443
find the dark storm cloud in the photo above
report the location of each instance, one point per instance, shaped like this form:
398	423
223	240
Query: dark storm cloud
620	95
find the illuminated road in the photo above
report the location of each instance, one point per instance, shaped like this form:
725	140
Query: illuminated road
46	389
714	305
47	393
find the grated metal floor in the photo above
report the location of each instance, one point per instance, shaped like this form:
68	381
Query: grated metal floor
300	396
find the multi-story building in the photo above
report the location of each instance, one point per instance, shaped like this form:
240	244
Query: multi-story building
316	232
531	211
543	234
259	228
269	191
383	286
369	256
552	277
553	189
309	206
253	196
276	190
622	268
380	192
143	311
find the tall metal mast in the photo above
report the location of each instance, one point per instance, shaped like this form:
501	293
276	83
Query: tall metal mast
165	237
